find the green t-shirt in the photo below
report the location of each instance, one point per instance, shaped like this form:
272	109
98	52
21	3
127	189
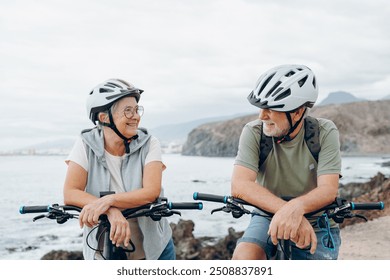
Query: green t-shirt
290	169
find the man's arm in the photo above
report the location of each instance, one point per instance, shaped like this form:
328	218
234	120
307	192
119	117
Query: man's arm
244	186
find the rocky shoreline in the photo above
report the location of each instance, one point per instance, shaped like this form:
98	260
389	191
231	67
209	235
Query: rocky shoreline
210	248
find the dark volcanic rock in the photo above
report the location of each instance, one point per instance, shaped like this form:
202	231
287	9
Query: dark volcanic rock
63	255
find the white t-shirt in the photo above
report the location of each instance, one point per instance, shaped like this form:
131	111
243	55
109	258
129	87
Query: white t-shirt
78	155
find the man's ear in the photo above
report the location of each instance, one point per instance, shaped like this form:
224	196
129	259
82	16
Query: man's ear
298	113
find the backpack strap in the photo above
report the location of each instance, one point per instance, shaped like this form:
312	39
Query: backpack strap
266	145
312	136
312	139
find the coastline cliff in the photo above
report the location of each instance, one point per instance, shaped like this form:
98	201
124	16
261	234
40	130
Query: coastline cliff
364	129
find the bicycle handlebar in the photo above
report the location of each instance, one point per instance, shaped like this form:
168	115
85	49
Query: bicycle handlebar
210	197
160	204
340	207
221	199
367	205
46	208
33	209
185	205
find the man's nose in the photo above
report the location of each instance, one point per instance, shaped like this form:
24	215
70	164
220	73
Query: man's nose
264	114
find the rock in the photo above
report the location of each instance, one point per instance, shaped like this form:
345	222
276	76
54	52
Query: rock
187	247
218	139
205	248
385	164
223	249
377	189
63	255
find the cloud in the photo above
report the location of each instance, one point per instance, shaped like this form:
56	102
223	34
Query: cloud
194	59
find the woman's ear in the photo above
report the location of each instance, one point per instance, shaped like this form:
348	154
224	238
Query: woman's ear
103	117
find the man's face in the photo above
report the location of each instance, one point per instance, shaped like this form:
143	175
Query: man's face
275	124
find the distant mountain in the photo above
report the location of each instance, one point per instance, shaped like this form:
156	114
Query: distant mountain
340	97
364	129
56	146
387	97
178	133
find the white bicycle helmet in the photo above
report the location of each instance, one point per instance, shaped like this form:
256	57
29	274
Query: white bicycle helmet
105	94
285	88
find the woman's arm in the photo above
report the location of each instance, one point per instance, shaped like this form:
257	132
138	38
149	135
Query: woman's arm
150	191
74	186
74	194
93	207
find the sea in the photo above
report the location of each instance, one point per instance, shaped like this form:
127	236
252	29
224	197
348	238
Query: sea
38	180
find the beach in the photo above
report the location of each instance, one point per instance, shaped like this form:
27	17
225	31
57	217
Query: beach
366	241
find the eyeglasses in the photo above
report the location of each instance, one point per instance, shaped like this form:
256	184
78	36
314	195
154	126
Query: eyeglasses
130	111
327	238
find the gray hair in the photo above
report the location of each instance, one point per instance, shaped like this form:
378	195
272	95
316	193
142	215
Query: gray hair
106	118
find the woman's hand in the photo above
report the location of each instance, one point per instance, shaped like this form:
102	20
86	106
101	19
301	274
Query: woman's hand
120	228
91	212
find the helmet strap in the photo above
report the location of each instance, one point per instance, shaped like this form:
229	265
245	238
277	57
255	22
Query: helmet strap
112	125
287	137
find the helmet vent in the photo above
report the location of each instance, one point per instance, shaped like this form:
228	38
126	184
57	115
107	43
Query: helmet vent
277	91
289	74
112	85
273	88
266	82
302	81
103	90
283	95
314	82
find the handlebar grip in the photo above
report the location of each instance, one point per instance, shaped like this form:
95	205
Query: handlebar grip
210	197
185	205
33	209
367	205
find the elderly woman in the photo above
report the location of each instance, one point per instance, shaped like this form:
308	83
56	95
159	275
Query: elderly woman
118	156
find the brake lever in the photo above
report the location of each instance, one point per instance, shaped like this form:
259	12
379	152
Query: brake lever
174	212
224	209
361	217
38	217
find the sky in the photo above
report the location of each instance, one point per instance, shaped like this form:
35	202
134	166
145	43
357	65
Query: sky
194	59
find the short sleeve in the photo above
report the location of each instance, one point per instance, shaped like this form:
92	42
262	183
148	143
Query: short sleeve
329	158
248	147
78	154
154	153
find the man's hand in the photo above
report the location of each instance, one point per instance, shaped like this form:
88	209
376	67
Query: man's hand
306	236
286	221
289	223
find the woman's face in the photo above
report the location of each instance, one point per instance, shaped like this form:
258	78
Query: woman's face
126	117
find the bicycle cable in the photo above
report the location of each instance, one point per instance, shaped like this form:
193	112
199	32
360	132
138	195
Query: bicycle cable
99	238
